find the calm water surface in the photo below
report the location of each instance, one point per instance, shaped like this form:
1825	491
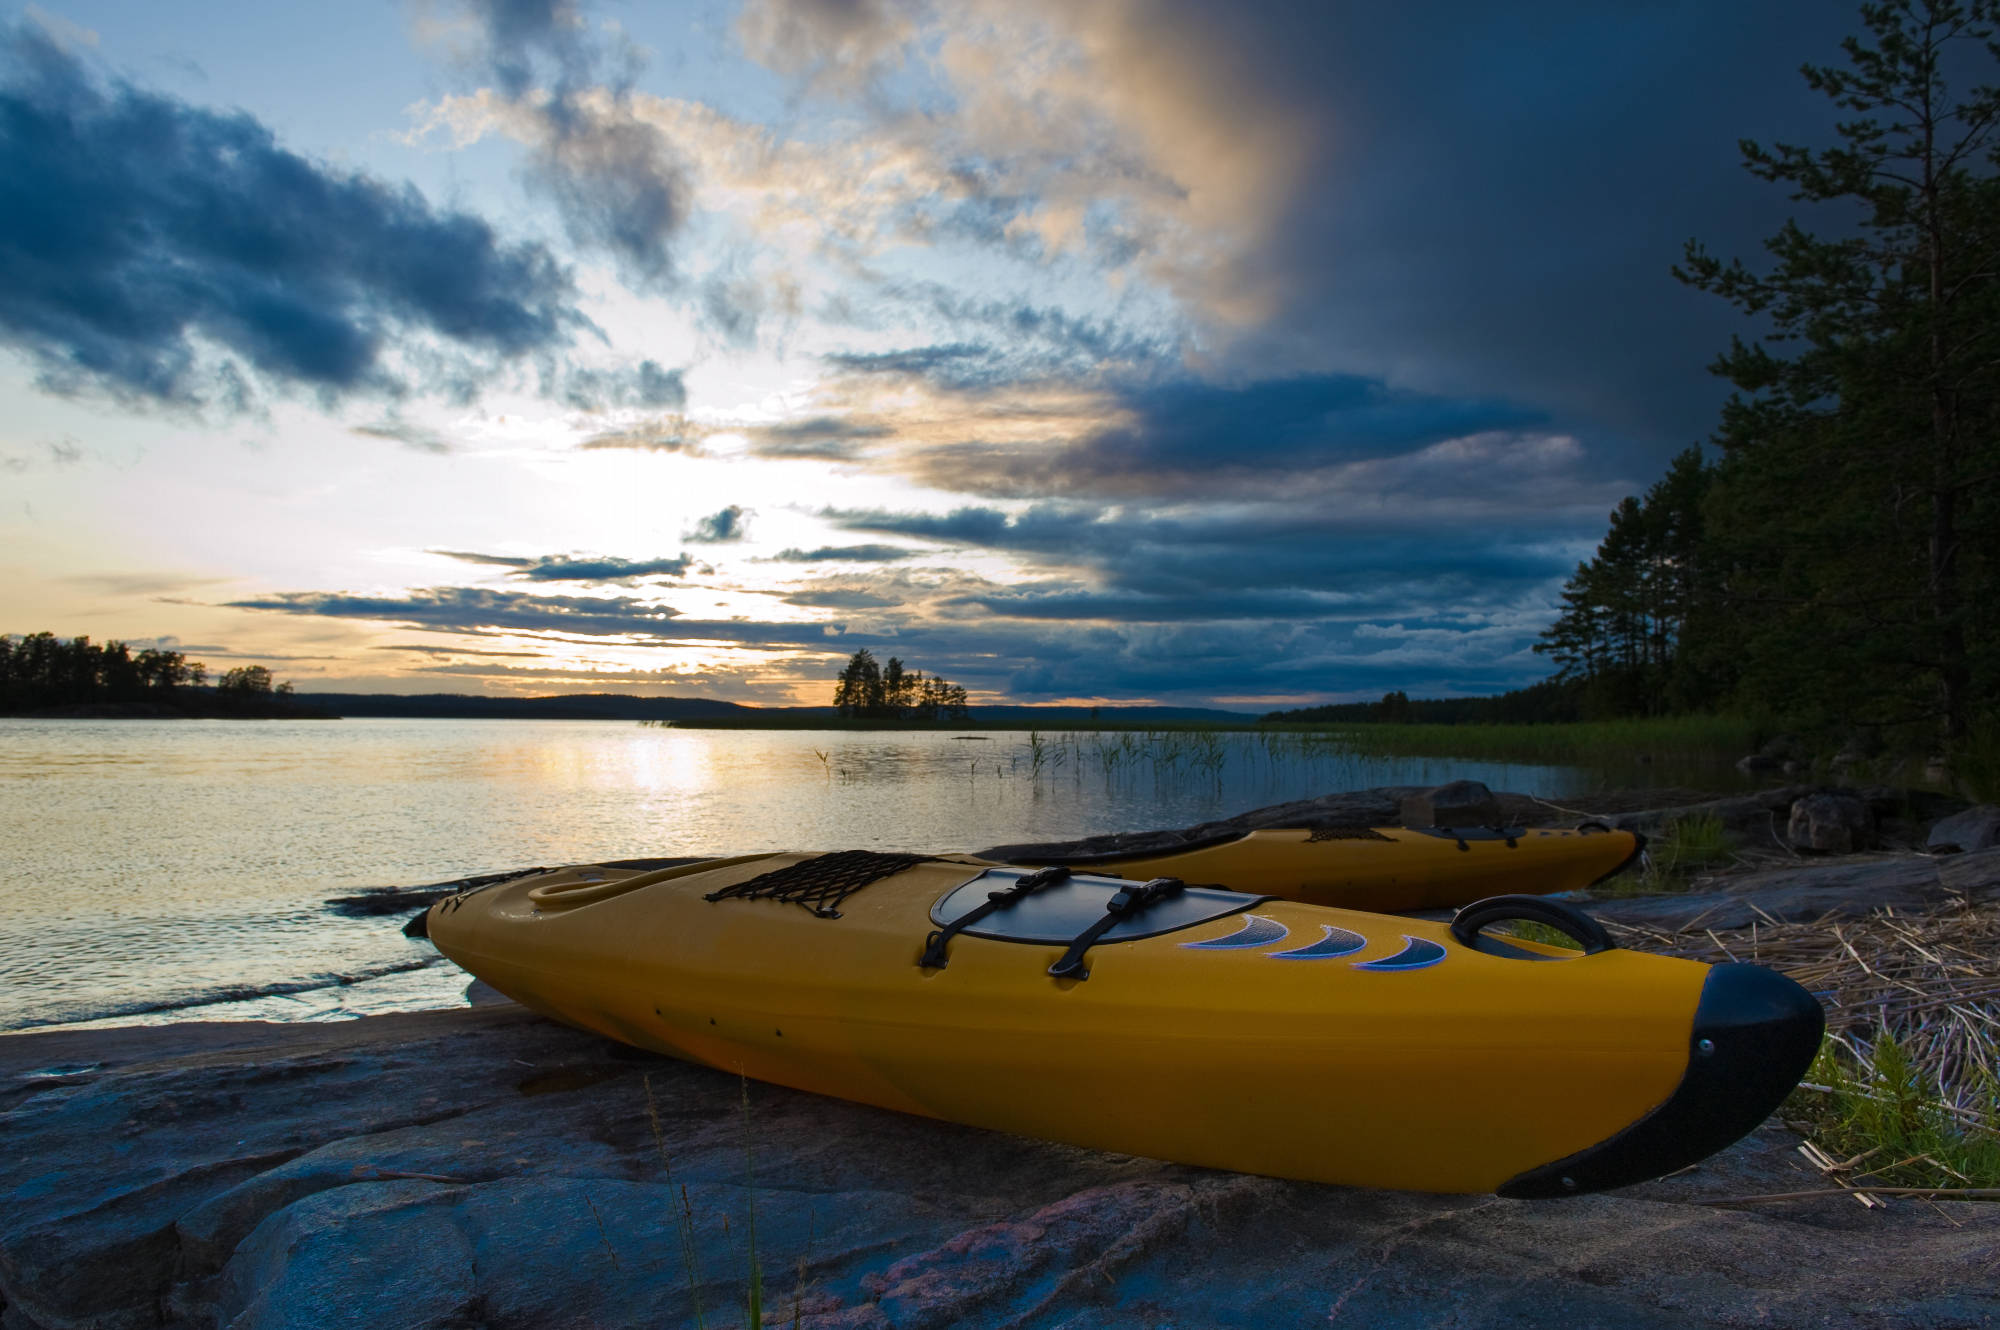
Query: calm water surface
177	869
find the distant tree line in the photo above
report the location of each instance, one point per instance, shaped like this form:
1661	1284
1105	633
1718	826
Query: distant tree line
1547	702
1839	561
868	689
42	670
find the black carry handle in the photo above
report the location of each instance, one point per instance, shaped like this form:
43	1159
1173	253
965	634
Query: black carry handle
1465	925
934	954
1124	904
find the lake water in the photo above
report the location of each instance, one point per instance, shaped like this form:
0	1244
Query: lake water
165	870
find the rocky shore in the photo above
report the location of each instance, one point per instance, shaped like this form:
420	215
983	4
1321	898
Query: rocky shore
484	1167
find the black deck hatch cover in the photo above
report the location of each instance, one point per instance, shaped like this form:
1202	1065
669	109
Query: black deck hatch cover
1055	915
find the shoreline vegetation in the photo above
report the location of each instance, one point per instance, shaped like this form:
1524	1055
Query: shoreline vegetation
1547	724
43	677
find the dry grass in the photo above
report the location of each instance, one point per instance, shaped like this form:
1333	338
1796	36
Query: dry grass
1906	1081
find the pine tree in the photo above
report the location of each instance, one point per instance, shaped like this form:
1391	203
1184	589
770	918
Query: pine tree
1628	612
1852	532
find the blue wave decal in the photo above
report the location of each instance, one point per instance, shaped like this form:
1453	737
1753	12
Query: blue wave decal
1417	955
1336	942
1257	931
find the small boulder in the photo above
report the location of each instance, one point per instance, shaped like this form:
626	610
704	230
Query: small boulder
1977	828
1831	824
1462	803
1759	762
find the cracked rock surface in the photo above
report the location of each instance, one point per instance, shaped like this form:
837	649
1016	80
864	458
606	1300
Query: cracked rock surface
484	1167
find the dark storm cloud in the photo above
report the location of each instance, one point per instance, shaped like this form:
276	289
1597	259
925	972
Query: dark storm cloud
836	599
138	228
1284	424
618	184
719	528
1503	188
923	361
1025	656
1006	341
477	610
848	554
1226	562
577	568
1176	436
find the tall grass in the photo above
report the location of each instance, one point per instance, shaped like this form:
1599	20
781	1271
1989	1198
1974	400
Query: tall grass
1170	755
755	1273
1206	753
683	1212
1681	851
1663	738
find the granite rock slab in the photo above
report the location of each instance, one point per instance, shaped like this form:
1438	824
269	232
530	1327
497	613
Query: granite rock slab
486	1167
1816	890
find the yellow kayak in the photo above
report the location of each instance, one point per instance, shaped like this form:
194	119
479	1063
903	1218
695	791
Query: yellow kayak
1202	1026
1385	868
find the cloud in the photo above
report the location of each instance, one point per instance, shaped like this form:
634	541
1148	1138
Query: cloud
171	255
644	385
418	438
54	453
820	438
1119	134
848	554
1462	199
1181	436
614	178
828	44
1128	437
719	528
660	434
577	568
478	610
1456	527
939	624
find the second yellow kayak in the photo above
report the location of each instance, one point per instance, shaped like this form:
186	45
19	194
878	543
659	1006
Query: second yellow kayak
1385	869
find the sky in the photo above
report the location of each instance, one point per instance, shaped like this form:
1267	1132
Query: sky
1252	355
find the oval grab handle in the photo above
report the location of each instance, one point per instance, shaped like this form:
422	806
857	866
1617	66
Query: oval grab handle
1465	925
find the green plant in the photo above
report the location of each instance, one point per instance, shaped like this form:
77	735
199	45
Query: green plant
1529	931
1869	1104
1683	849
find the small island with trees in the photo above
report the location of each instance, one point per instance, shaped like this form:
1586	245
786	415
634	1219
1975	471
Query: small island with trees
870	690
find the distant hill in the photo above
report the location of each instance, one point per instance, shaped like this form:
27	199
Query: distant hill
1075	715
616	706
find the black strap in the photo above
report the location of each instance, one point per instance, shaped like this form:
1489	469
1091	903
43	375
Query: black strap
1125	903
934	946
